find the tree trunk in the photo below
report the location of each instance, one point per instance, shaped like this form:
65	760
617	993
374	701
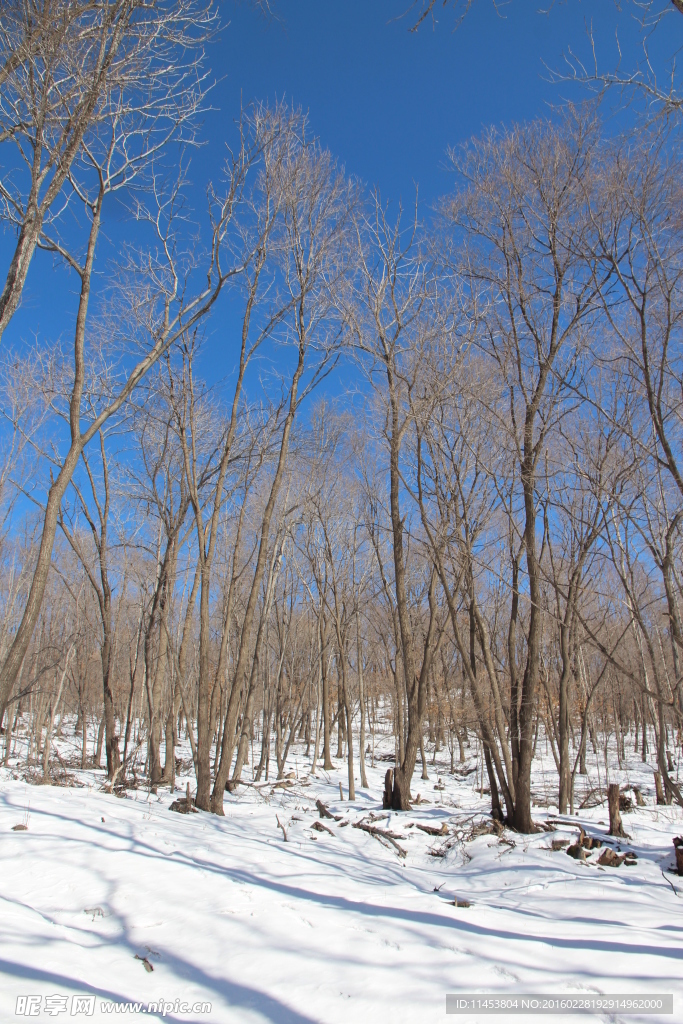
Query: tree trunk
349	723
615	825
327	758
22	638
563	728
361	693
240	677
527	710
97	758
112	740
496	811
340	718
204	734
169	759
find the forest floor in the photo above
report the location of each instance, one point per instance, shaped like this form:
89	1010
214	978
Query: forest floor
124	901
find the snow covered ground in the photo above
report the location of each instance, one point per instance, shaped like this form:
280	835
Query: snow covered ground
322	927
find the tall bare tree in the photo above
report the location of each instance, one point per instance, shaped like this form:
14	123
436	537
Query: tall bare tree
75	78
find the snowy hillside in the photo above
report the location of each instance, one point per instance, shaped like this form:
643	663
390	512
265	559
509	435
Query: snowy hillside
331	925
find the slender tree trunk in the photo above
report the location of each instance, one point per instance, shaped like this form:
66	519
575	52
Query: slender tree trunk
345	708
97	756
204	695
340	717
169	758
527	712
327	729
22	638
564	741
514	676
361	692
240	677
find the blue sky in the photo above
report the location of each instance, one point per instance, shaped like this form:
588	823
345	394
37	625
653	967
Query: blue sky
389	102
386	101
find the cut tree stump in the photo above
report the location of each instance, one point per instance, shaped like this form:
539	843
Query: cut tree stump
678	847
186	805
388	789
576	851
609	859
615	826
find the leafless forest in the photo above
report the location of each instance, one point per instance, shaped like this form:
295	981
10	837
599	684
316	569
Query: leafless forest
438	495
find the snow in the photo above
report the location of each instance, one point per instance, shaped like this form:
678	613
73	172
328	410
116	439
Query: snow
325	928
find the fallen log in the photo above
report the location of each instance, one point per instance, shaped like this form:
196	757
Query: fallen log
381	833
431	830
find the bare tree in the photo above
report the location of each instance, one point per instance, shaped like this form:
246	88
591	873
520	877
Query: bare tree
524	220
392	323
267	148
75	78
98	522
639	71
313	232
161	309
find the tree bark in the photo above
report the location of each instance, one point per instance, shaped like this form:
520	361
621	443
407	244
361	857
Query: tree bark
615	825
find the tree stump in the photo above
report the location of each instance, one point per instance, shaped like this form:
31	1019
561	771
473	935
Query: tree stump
576	851
388	789
608	858
615	826
184	805
659	789
678	847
